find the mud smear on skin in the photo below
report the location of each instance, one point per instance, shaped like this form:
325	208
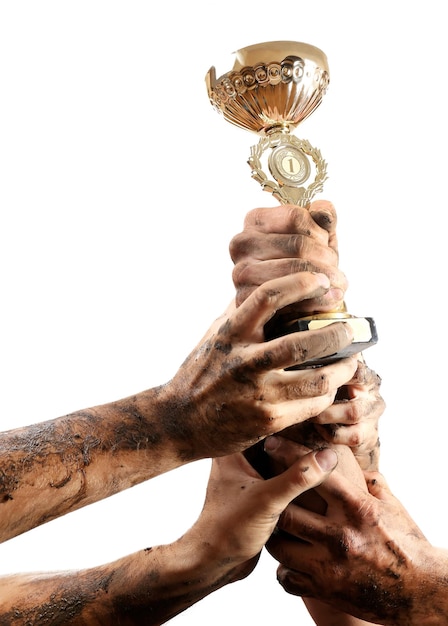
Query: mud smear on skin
195	431
380	603
67	601
156	606
69	443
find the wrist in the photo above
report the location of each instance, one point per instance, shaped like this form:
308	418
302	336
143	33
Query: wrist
212	556
166	580
163	417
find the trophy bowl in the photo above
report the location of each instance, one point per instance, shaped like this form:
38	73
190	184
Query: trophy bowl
272	87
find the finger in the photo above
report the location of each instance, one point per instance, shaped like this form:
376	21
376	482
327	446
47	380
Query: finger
283	451
291	552
295	401
365	377
248	276
338	488
294	582
308	382
261	247
352	411
301	347
285	219
380	491
330	301
291	413
302	525
257	273
272	296
340	434
307	472
377	485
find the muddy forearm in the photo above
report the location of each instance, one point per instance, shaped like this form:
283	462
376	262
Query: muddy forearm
51	468
146	588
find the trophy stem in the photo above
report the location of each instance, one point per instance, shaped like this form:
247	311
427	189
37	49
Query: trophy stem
278	128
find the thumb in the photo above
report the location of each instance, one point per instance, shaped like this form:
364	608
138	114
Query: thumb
307	472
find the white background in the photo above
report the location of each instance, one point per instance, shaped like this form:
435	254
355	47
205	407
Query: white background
120	189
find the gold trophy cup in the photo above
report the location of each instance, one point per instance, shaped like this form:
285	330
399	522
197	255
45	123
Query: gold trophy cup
271	88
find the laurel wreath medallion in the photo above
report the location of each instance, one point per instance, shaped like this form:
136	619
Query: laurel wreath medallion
287	193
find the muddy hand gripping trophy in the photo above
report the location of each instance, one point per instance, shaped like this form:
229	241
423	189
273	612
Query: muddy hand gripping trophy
271	88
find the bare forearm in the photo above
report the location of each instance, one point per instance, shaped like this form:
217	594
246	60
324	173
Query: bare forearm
147	588
54	467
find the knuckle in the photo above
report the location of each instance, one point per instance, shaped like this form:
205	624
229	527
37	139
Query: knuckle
256	217
340	280
356	437
290	582
297	245
320	384
380	405
324	341
234	246
355	412
337	334
316	385
243	293
241	274
291	245
297	216
299	220
365	410
240	245
265	296
366	376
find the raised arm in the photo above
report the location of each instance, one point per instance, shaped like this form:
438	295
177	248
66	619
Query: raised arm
151	586
210	408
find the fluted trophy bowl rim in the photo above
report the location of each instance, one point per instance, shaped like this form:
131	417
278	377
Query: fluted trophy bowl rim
277	51
272	86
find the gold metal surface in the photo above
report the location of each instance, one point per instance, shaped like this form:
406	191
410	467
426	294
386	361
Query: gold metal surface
270	90
272	86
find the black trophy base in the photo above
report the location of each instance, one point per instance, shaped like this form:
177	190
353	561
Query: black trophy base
364	328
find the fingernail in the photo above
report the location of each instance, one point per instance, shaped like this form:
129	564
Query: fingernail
336	294
323	279
271	443
327	459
